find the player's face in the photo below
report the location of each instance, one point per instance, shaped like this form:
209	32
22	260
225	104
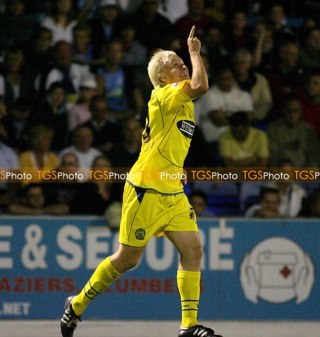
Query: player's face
175	70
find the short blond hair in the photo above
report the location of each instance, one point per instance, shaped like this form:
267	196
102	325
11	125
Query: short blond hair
156	64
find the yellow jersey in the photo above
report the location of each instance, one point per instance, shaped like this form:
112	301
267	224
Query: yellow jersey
165	140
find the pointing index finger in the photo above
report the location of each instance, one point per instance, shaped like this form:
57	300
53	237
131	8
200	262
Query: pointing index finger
192	32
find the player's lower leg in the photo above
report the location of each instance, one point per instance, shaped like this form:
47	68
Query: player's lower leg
100	280
189	288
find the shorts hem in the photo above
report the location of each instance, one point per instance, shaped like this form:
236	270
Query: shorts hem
133	245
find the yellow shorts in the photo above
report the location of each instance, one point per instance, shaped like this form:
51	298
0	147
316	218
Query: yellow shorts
147	213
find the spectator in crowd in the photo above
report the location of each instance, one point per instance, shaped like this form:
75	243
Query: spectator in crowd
292	138
53	112
105	25
61	21
17	80
69	164
311	102
237	34
16	124
63	70
195	17
269	205
105	132
66	189
33	202
153	30
311	205
199	201
249	192
114	82
281	31
291	194
80	112
214	49
134	62
215	9
134	53
141	92
17	29
309	22
97	191
40	54
286	78
39	155
173	9
126	153
220	102
242	145
254	83
68	167
262	45
82	48
310	51
82	138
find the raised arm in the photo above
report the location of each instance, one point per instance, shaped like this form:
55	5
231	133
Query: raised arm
199	79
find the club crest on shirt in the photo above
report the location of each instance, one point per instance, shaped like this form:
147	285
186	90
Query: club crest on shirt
140	234
186	128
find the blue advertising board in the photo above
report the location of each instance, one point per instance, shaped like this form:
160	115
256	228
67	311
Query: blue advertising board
251	269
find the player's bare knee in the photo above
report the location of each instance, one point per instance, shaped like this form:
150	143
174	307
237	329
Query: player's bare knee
126	258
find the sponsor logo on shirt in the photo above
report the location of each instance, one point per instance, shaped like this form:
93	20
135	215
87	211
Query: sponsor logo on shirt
186	128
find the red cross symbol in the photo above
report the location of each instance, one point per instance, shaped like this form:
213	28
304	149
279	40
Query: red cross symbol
285	271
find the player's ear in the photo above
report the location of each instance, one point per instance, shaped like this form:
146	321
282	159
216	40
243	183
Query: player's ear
163	79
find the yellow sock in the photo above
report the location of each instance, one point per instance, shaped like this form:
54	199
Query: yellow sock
189	289
100	280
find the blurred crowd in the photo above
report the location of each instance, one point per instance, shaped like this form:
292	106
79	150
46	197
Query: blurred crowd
74	91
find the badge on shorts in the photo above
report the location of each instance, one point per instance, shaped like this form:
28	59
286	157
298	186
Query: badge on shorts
140	234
